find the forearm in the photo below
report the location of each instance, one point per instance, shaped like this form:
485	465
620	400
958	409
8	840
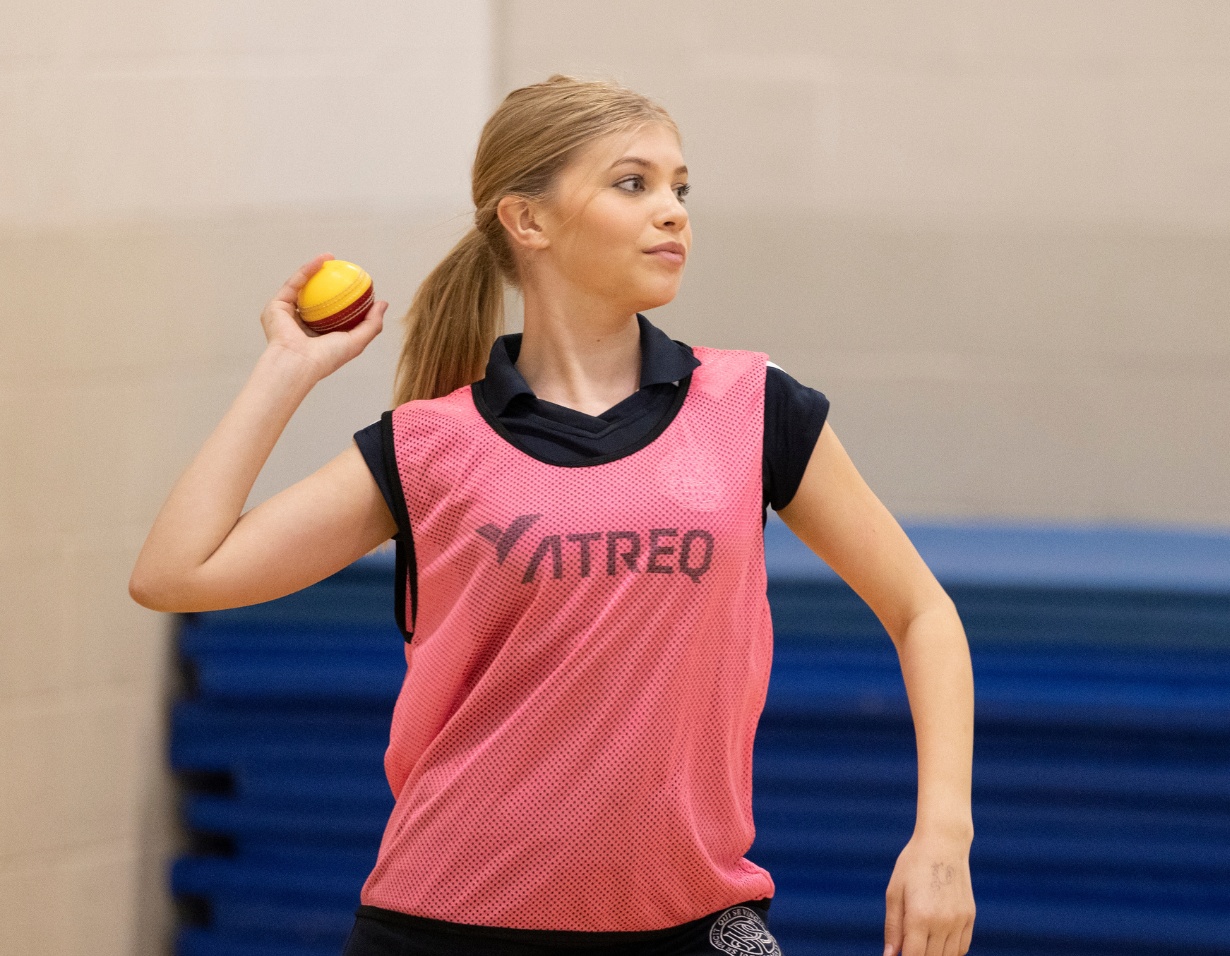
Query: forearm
939	681
209	496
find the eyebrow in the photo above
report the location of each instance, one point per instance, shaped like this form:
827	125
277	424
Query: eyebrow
643	162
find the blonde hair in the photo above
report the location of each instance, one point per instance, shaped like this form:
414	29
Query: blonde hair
458	310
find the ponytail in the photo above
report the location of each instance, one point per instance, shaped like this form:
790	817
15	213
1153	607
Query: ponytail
456	315
458	310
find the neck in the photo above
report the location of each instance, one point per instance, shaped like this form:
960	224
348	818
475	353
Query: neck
588	359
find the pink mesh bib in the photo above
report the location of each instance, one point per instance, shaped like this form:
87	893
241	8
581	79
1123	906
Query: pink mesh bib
572	745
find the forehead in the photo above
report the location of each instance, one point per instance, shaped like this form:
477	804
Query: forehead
655	146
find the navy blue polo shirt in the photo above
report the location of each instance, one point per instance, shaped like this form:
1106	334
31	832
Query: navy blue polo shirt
794	416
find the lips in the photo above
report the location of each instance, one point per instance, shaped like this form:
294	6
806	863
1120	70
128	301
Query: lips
670	251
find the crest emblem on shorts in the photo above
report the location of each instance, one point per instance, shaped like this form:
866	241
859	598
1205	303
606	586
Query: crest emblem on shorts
740	931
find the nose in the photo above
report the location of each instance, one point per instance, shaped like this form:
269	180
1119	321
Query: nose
673	214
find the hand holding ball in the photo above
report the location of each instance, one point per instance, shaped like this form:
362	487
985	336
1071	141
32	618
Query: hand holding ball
336	298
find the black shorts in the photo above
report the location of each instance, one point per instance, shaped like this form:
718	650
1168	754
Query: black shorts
741	930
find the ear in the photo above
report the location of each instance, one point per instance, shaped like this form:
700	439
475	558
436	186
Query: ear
520	217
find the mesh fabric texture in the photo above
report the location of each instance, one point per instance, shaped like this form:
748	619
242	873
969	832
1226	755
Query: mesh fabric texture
572	745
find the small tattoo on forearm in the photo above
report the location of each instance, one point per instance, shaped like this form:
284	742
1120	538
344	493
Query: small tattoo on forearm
941	875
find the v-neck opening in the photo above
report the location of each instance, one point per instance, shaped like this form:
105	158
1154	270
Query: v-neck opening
614	417
514	440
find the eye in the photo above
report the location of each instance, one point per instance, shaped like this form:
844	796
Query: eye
681	190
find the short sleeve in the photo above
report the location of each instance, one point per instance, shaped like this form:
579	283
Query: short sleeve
794	415
371	444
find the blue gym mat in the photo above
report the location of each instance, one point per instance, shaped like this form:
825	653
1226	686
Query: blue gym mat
1101	789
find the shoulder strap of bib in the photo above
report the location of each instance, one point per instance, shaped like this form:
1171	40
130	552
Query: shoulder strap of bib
405	574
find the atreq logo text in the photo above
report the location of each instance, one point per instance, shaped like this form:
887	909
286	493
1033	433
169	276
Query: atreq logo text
657	551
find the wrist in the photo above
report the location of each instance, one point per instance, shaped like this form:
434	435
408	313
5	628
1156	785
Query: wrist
288	367
957	830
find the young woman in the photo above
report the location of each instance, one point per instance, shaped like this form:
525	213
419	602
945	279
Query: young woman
578	512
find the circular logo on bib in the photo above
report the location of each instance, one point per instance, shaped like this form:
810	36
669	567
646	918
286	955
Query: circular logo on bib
690	474
740	931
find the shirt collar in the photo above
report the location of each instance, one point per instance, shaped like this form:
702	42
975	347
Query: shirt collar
662	360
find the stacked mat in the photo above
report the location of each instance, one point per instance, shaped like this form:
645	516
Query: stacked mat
1101	791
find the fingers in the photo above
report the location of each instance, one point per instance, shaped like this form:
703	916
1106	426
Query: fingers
289	292
916	940
940	943
894	918
370	327
915	935
923	938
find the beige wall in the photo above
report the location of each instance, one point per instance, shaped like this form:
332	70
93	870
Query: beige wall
996	234
163	168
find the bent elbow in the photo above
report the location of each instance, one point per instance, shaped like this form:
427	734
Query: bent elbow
144	591
157	594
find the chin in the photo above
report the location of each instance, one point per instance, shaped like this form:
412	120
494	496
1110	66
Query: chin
653	298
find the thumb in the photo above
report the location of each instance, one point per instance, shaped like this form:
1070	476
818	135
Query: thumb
894	921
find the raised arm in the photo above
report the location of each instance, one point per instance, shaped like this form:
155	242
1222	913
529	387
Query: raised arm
930	903
201	553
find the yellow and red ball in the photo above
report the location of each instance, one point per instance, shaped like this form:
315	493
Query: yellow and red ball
336	297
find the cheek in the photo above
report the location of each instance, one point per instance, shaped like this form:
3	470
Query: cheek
607	242
616	228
